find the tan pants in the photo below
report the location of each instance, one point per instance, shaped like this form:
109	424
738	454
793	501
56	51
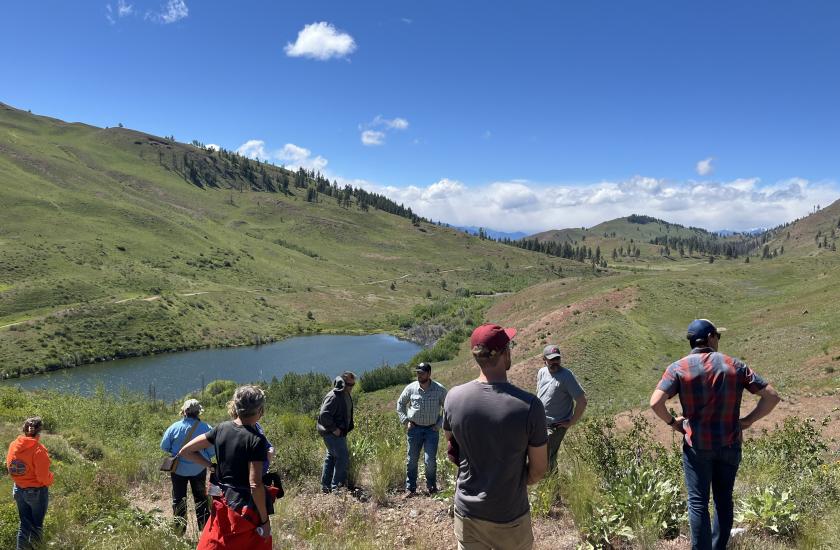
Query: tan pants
477	534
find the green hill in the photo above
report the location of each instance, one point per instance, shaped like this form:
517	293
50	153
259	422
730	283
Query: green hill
115	243
812	236
643	238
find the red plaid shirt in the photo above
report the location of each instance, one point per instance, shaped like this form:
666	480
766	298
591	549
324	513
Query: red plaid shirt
710	385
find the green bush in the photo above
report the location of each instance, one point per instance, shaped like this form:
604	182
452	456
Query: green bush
299	393
770	510
299	447
386	376
640	495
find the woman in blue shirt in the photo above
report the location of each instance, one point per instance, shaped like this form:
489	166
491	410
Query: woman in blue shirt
187	472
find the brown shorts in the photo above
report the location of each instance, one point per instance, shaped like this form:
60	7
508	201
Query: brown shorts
478	534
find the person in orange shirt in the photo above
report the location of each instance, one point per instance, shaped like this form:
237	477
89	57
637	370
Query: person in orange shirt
29	465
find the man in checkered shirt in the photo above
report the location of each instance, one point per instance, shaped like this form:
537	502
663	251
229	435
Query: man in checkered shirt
710	385
420	410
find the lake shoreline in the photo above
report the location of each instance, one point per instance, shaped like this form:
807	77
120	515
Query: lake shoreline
233	344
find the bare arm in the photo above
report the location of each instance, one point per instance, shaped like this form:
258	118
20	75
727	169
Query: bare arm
768	399
191	451
580	406
537	463
258	493
657	403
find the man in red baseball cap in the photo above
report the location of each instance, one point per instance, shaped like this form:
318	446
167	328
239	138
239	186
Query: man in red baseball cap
500	433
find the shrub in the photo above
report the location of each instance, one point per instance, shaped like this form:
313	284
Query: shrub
770	510
299	393
386	376
299	447
387	470
545	495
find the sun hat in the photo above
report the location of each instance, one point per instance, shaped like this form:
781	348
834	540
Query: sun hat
191	406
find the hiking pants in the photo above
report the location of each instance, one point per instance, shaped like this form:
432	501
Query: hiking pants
179	499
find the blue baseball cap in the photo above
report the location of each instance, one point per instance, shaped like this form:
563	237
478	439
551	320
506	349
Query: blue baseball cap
700	329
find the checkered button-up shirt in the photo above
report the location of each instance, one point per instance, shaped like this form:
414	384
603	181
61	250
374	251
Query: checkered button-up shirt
710	385
423	407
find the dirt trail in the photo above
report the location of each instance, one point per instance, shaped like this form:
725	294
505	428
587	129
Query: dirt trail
419	522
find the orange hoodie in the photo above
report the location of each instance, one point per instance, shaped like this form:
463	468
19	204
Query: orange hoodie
29	463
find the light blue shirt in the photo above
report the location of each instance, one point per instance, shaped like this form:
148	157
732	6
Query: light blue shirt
174	438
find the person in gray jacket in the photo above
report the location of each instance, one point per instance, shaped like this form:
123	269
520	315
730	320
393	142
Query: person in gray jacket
335	421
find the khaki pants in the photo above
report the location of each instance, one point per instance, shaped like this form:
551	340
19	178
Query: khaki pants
477	534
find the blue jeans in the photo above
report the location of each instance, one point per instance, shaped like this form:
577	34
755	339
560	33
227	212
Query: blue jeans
716	469
336	460
32	507
422	437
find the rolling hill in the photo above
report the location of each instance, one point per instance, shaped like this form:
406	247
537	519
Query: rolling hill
114	242
644	238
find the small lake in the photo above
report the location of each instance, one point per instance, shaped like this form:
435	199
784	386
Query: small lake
173	375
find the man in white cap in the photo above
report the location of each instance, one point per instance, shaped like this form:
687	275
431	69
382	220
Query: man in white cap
563	398
186	472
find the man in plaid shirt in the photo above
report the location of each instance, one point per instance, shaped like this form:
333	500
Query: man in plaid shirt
419	408
710	385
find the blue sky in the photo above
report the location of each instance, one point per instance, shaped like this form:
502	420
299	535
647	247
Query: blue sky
510	115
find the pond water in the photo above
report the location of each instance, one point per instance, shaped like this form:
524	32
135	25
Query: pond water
173	375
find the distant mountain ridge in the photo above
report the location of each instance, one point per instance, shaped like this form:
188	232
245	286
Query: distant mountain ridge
492	233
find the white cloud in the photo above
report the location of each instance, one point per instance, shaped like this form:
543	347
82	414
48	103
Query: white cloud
212	147
321	41
705	167
294	157
124	9
392	124
373	137
406	20
109	14
377	137
740	204
253	148
173	11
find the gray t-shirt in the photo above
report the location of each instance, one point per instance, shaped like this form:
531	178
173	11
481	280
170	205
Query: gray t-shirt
558	392
494	424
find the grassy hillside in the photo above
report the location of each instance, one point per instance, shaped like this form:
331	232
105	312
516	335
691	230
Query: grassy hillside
116	243
620	332
643	238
